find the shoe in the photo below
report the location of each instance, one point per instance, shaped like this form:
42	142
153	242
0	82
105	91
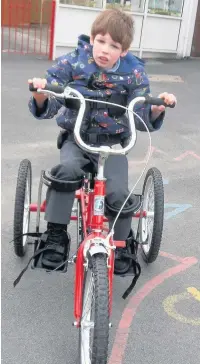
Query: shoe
57	240
52	250
123	256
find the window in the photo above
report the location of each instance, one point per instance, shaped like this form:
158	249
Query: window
88	3
166	7
127	5
162	7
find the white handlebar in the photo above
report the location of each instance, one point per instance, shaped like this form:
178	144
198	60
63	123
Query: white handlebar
72	93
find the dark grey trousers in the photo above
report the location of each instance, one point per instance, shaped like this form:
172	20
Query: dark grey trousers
74	162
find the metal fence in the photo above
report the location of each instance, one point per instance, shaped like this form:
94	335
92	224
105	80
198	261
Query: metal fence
27	26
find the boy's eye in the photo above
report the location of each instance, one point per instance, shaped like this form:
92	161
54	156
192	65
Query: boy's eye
112	45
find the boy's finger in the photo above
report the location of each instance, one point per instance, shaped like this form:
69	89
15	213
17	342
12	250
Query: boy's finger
160	108
170	100
163	95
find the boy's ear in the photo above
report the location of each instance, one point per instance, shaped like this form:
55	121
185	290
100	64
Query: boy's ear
124	53
91	40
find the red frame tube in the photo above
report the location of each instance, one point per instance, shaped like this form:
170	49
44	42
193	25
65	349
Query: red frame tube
33	208
89	220
99	191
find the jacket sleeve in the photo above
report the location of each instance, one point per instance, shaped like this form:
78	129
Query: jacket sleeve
59	74
140	87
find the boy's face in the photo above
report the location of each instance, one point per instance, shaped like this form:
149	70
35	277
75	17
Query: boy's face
106	52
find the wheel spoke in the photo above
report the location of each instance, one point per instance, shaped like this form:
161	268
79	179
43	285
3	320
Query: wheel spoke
147	222
86	323
94	328
26	217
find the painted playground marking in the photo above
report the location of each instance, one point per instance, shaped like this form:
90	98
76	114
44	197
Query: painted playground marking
123	330
170	302
186	154
165	78
176	209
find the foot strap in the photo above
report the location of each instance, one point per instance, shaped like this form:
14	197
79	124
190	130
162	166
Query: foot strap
26	267
137	272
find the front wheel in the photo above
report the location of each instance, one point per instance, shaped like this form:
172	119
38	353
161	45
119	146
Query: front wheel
151	227
94	326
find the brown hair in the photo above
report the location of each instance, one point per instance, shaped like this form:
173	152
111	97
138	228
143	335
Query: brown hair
118	24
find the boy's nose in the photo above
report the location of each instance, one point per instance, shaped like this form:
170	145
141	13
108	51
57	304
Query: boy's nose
105	48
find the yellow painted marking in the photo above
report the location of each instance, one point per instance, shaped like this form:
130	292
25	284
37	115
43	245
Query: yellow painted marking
194	292
170	302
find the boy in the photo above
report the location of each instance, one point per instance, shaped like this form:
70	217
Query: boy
100	68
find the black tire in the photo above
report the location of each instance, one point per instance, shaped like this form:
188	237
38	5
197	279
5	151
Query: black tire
99	336
23	191
150	249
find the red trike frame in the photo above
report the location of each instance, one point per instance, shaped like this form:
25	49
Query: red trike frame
90	222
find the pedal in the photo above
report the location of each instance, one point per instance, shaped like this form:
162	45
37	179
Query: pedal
37	261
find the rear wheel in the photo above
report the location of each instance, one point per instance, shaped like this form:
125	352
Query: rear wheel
22	207
94	329
151	227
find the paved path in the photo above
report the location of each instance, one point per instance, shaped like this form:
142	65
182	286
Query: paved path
159	323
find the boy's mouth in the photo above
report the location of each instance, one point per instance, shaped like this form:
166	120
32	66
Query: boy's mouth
103	59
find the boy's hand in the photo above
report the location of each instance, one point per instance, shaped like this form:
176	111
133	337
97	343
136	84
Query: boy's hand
169	99
39	83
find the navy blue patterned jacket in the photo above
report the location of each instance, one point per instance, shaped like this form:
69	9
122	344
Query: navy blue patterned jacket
78	70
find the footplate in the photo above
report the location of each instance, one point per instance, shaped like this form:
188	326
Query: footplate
37	260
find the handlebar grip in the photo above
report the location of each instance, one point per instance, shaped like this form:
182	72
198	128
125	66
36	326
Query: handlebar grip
48	87
157	101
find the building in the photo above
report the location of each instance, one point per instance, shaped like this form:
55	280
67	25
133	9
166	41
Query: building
164	28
